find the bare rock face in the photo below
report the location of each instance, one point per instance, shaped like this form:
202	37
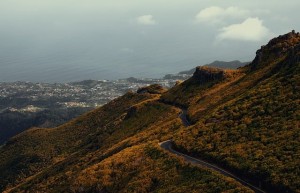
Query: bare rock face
276	48
208	74
294	55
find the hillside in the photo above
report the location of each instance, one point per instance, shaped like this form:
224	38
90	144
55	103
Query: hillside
248	120
220	64
245	121
13	123
24	105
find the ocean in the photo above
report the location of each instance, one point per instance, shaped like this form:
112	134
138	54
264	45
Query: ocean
71	63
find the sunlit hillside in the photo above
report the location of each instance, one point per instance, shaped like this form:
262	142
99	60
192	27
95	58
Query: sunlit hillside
245	121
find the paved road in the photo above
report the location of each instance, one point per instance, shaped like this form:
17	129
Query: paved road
168	145
183	117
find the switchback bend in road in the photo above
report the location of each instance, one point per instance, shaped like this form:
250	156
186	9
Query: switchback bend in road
168	145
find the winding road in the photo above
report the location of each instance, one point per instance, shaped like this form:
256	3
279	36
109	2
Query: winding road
168	145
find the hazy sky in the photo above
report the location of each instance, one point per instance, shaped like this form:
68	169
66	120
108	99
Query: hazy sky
108	39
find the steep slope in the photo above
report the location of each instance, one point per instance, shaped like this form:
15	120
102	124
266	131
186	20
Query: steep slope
249	124
35	149
13	123
245	120
112	149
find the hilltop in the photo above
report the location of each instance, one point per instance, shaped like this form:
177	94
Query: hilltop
245	121
235	64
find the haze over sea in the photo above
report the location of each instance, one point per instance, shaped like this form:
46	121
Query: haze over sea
63	41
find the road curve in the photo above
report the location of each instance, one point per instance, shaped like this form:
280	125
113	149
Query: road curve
184	119
168	145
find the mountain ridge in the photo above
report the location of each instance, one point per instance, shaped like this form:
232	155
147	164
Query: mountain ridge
235	64
246	120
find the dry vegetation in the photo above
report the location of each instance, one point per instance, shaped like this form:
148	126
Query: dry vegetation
252	125
245	120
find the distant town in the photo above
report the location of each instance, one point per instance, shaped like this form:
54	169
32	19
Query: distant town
34	97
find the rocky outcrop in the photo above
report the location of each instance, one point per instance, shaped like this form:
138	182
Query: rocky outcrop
278	47
294	55
205	74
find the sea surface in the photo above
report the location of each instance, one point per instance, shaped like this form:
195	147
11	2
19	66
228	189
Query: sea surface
67	63
74	65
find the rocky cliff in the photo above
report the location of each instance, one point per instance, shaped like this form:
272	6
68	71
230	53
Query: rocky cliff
208	74
276	48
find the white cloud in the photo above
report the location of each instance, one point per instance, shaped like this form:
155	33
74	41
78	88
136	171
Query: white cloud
146	20
218	14
252	29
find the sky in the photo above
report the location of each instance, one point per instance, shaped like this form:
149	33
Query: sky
66	40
